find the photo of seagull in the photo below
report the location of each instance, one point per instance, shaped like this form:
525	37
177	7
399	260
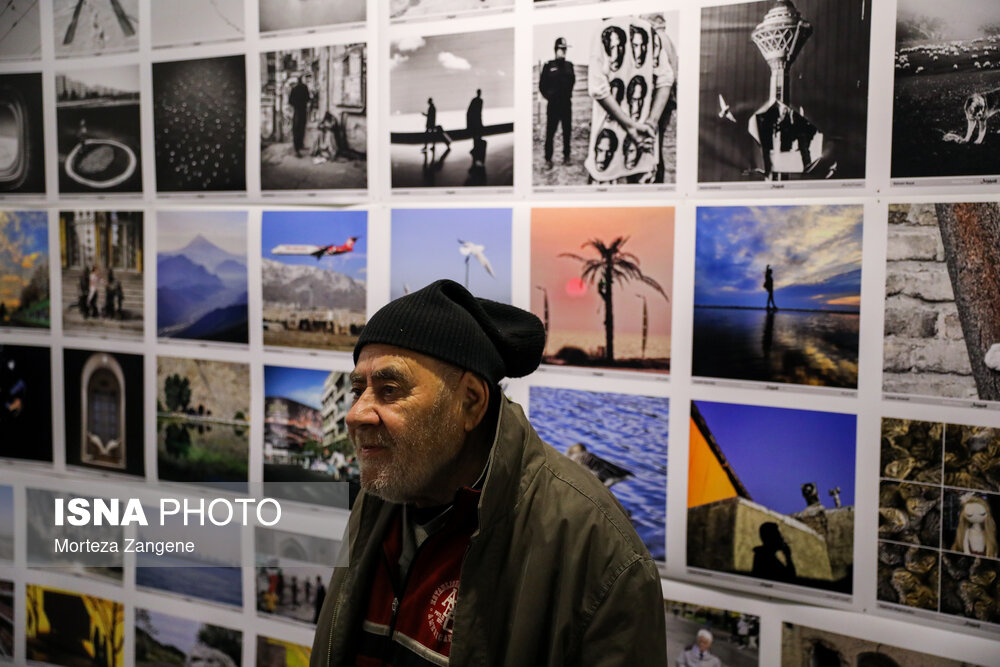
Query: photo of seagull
470	250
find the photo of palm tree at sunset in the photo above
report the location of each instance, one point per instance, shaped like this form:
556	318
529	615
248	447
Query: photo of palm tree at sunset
602	280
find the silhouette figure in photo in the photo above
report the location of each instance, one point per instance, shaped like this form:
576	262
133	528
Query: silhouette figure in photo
769	286
766	561
477	171
430	126
432	163
556	83
474	117
298	100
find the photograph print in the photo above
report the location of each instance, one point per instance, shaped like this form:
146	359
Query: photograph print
802	646
24	269
273	652
6	527
602	280
25	403
314	278
192	22
292	573
942	317
162	640
452	89
102	272
702	635
42	532
20	28
95	28
784	90
945	89
309	15
103	409
202	420
199	124
97	121
777	294
22	148
418	9
201	276
771	494
314	118
471	246
68	628
622	440
605	93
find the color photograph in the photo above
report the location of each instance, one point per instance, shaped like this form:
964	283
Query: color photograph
21	32
199	121
945	89
6	620
202	420
314	118
310	15
278	653
95	28
292	573
6	526
314	278
305	435
102	272
22	148
214	21
942	317
419	9
24	269
97	121
471	246
446	89
777	294
620	438
162	639
42	534
771	494
602	280
784	91
700	635
211	574
25	403
201	276
73	629
103	409
804	647
610	108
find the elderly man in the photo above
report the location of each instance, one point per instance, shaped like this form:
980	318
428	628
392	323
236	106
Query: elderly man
473	542
698	654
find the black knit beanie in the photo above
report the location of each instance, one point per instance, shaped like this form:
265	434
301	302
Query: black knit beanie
445	321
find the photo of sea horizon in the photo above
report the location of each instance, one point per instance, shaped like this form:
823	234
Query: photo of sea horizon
68	628
216	21
801	645
588	322
777	294
452	89
732	639
25	403
163	639
95	28
471	246
201	276
290	15
6	525
22	145
314	273
292	572
24	269
273	652
619	438
21	30
771	494
202	421
42	532
98	133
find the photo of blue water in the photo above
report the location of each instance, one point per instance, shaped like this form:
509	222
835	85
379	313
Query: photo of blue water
178	575
627	431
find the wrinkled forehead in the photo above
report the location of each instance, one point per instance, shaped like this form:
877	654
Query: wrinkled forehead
380	361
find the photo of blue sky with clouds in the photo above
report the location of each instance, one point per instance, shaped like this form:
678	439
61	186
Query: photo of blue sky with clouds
304	385
814	251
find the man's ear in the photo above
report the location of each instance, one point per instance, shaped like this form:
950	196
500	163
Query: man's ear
474	392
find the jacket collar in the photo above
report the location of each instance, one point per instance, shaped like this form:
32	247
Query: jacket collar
513	462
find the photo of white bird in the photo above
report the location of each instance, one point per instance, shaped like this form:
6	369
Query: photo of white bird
470	250
104	448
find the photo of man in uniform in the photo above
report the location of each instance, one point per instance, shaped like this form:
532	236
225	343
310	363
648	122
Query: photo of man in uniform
556	83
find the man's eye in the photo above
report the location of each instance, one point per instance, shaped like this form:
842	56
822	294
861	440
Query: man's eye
356	392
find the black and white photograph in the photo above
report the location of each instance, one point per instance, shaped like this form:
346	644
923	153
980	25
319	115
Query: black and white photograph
604	101
95	27
314	118
103	408
97	118
402	10
451	107
199	120
216	21
946	89
22	147
280	16
25	403
20	32
784	91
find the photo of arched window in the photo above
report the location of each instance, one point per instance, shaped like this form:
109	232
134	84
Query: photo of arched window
102	398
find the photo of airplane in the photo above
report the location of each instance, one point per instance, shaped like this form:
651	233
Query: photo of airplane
317	251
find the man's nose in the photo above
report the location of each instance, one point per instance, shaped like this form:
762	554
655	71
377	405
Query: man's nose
362	412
